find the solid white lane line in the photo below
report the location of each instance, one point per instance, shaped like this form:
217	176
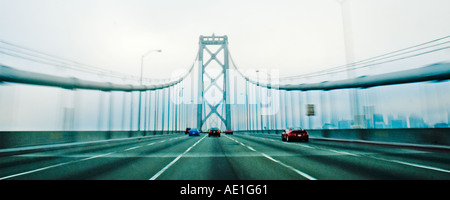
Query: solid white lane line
345	153
98	156
422	166
388	160
132	148
251	148
53	166
70	162
309	177
162	141
414	165
306	146
290	167
175	160
36	170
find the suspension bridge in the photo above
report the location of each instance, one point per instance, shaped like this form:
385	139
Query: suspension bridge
97	126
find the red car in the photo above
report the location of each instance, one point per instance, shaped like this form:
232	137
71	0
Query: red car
295	134
229	132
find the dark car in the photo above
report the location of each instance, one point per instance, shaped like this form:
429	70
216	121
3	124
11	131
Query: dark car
229	132
187	131
194	132
295	134
213	132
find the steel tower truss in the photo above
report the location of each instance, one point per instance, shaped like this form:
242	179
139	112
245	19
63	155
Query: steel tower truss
214	47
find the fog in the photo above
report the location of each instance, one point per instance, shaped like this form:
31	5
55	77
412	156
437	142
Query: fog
103	40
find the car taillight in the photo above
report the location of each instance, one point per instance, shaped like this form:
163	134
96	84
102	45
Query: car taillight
210	131
218	131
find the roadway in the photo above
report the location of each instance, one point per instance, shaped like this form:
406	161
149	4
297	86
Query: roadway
230	157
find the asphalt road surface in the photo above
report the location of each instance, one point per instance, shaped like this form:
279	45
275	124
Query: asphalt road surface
229	157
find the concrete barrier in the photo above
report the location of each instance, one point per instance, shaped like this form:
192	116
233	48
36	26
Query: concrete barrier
14	139
421	136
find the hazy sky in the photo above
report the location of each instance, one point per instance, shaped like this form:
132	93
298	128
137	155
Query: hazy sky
295	36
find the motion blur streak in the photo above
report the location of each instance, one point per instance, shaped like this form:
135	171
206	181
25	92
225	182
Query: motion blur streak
223	158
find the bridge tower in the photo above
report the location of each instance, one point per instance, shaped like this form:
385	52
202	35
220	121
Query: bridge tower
213	106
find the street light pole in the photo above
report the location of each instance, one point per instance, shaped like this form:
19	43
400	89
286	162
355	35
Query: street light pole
140	92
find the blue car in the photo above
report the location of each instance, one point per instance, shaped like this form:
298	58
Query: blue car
194	131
